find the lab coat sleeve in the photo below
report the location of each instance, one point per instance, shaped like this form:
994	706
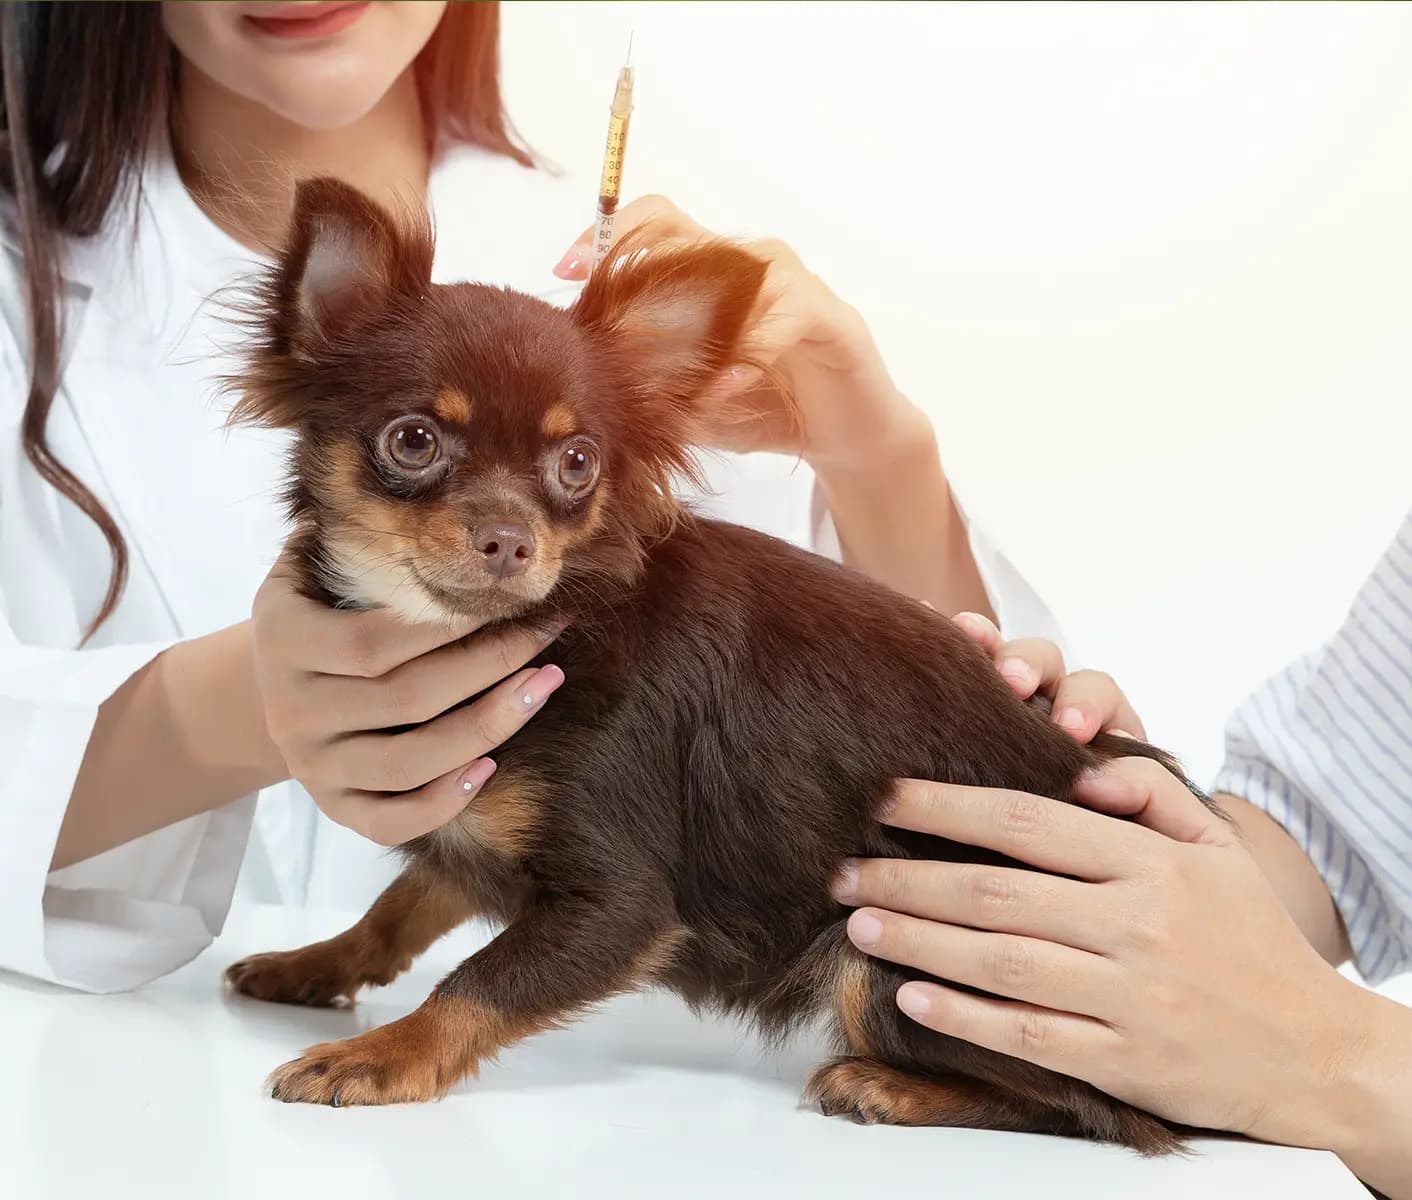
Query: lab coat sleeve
1018	608
128	915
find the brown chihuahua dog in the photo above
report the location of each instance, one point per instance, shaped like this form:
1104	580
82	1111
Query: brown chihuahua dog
735	709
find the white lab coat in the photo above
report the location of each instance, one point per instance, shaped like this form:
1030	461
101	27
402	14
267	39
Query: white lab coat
138	420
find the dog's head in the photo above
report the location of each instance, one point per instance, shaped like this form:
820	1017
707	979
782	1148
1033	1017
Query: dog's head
463	449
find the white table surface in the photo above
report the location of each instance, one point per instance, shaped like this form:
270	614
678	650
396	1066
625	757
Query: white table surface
157	1094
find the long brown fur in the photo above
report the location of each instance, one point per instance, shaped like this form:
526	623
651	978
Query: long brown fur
735	709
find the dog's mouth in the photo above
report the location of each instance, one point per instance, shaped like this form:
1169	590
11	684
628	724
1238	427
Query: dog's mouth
492	600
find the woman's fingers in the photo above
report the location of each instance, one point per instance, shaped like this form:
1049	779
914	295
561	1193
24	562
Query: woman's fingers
980	629
402	762
316	638
1000	899
423	688
1084	703
1143	790
665	219
1031	829
393	820
1060	1041
1030	666
1089	702
1021	968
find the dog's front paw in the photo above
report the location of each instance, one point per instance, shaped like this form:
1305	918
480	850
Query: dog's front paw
309	976
408	1061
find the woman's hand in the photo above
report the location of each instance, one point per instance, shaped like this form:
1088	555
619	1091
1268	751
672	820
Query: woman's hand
850	414
873	453
334	682
1162	970
1085	703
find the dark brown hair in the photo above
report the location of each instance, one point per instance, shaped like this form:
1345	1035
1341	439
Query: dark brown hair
82	87
734	710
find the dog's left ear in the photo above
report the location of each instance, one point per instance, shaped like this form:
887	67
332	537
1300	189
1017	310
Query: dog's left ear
671	318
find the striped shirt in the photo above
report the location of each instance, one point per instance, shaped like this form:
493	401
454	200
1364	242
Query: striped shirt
1325	747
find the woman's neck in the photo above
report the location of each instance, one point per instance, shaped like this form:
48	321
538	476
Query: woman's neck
240	161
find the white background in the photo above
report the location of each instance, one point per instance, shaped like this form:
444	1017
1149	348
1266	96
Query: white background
1147	266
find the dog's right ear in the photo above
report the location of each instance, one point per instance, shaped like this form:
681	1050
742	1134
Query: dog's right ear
346	260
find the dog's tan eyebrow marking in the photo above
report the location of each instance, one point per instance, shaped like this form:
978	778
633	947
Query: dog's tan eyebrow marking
453	406
559	422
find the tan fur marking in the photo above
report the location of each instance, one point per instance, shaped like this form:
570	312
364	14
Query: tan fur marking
851	1000
374	542
429	1051
502	819
453	407
559	422
879	1094
420	1057
554	544
409	916
659	957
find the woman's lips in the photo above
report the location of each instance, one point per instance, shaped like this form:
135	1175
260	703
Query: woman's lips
307	20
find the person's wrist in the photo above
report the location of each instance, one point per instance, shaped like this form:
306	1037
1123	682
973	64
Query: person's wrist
1339	1105
1370	1064
214	699
904	439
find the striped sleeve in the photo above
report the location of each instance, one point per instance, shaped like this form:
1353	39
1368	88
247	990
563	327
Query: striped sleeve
1325	747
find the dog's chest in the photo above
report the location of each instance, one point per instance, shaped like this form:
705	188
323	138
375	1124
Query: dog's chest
481	849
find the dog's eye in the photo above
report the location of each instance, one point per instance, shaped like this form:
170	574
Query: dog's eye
578	468
413	445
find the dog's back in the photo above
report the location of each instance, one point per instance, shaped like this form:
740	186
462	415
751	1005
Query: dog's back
731	726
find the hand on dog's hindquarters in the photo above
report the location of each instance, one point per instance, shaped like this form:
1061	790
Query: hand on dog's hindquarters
1148	956
1155	963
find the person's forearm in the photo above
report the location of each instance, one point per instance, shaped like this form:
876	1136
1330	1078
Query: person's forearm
184	735
1366	1112
898	522
1294	878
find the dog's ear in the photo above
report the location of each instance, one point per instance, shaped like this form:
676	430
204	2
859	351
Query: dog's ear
346	259
669	319
345	262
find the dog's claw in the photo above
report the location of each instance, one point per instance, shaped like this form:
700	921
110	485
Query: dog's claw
335	1101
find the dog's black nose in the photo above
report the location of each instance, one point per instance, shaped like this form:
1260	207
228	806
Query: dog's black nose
508	548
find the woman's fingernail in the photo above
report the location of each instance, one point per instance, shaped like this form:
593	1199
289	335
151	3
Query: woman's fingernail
845	883
1123	733
864	929
476	774
913	1000
1018	672
540	686
1071	719
574	261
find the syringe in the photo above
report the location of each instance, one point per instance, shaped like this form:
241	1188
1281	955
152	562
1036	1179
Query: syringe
611	183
